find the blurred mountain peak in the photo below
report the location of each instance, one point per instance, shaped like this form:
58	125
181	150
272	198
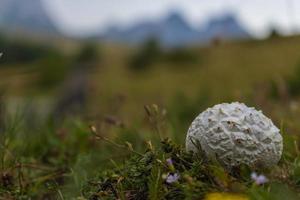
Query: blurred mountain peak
30	16
25	15
175	16
225	26
173	30
224	19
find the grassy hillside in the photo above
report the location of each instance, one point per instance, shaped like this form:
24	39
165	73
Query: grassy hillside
242	71
136	97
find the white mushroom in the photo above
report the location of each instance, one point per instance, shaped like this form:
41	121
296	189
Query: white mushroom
236	134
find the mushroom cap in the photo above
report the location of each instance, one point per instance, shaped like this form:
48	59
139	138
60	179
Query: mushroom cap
235	134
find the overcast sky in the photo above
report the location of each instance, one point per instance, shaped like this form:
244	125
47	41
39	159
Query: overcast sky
83	16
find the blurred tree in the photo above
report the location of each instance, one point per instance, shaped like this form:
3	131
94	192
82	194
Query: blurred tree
149	53
88	54
52	70
73	94
274	33
293	82
19	51
2	112
181	56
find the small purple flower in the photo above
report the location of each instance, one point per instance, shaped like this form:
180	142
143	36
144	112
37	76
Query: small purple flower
171	178
259	179
169	161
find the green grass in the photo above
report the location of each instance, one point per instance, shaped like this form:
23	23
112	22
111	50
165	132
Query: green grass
126	158
72	160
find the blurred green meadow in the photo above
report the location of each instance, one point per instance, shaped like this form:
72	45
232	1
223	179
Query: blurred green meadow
86	119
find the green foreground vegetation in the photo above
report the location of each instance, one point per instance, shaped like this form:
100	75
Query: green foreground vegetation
78	161
127	142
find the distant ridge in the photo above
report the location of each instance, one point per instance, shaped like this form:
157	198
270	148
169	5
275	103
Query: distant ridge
224	27
25	15
174	31
30	16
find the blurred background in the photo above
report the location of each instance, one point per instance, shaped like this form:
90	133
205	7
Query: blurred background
136	70
105	60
